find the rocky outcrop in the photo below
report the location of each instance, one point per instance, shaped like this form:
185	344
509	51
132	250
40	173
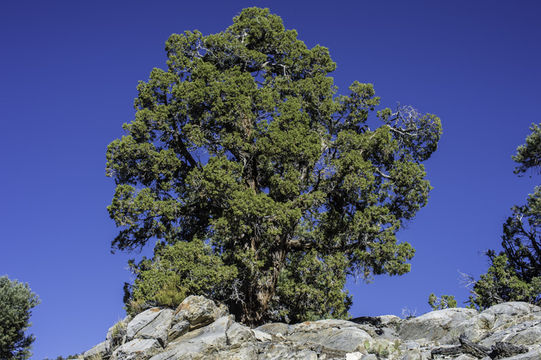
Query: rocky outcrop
200	329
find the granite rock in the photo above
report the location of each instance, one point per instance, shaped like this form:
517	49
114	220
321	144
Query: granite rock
201	329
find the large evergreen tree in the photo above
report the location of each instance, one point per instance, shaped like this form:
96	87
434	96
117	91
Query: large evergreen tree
243	143
16	303
515	272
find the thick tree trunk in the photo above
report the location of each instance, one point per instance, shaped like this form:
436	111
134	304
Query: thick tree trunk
261	292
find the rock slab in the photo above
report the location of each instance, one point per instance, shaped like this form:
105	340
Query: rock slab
201	329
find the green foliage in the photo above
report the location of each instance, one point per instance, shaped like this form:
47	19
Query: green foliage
16	303
515	273
175	272
502	283
119	329
444	302
311	287
521	240
529	154
243	142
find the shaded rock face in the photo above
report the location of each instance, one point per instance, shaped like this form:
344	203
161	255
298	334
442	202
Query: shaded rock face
201	329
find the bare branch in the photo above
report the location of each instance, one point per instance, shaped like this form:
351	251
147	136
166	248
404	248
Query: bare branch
383	174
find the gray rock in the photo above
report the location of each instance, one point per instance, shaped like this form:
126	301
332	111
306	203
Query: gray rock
245	352
369	357
410	345
281	351
178	329
414	355
436	325
476	327
465	357
199	330
533	354
97	352
389	320
526	333
238	334
196	343
151	324
140	321
198	311
279	329
305	355
138	349
263	336
530	335
302	355
512	308
503	321
337	335
354	356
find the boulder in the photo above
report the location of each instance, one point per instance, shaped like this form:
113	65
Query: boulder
210	338
354	356
247	351
178	329
515	322
97	352
276	329
337	335
238	334
527	333
533	354
138	349
198	311
278	351
369	357
440	325
263	336
153	323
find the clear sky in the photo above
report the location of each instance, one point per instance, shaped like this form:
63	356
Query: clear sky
69	71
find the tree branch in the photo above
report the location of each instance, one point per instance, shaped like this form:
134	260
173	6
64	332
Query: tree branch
383	174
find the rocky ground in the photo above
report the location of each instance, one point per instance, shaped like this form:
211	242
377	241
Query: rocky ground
199	329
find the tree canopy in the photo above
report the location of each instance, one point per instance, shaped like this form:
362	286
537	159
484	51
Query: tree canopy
515	272
243	143
16	303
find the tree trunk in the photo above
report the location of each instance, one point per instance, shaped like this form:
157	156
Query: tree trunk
262	291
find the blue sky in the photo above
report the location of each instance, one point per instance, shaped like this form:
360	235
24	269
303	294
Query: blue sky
69	71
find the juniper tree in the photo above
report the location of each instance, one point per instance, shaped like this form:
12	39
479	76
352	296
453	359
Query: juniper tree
16	303
528	155
521	239
515	272
242	142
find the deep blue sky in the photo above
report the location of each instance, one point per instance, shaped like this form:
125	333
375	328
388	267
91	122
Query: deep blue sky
69	71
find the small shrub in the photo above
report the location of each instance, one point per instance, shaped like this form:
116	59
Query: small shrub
445	302
117	334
